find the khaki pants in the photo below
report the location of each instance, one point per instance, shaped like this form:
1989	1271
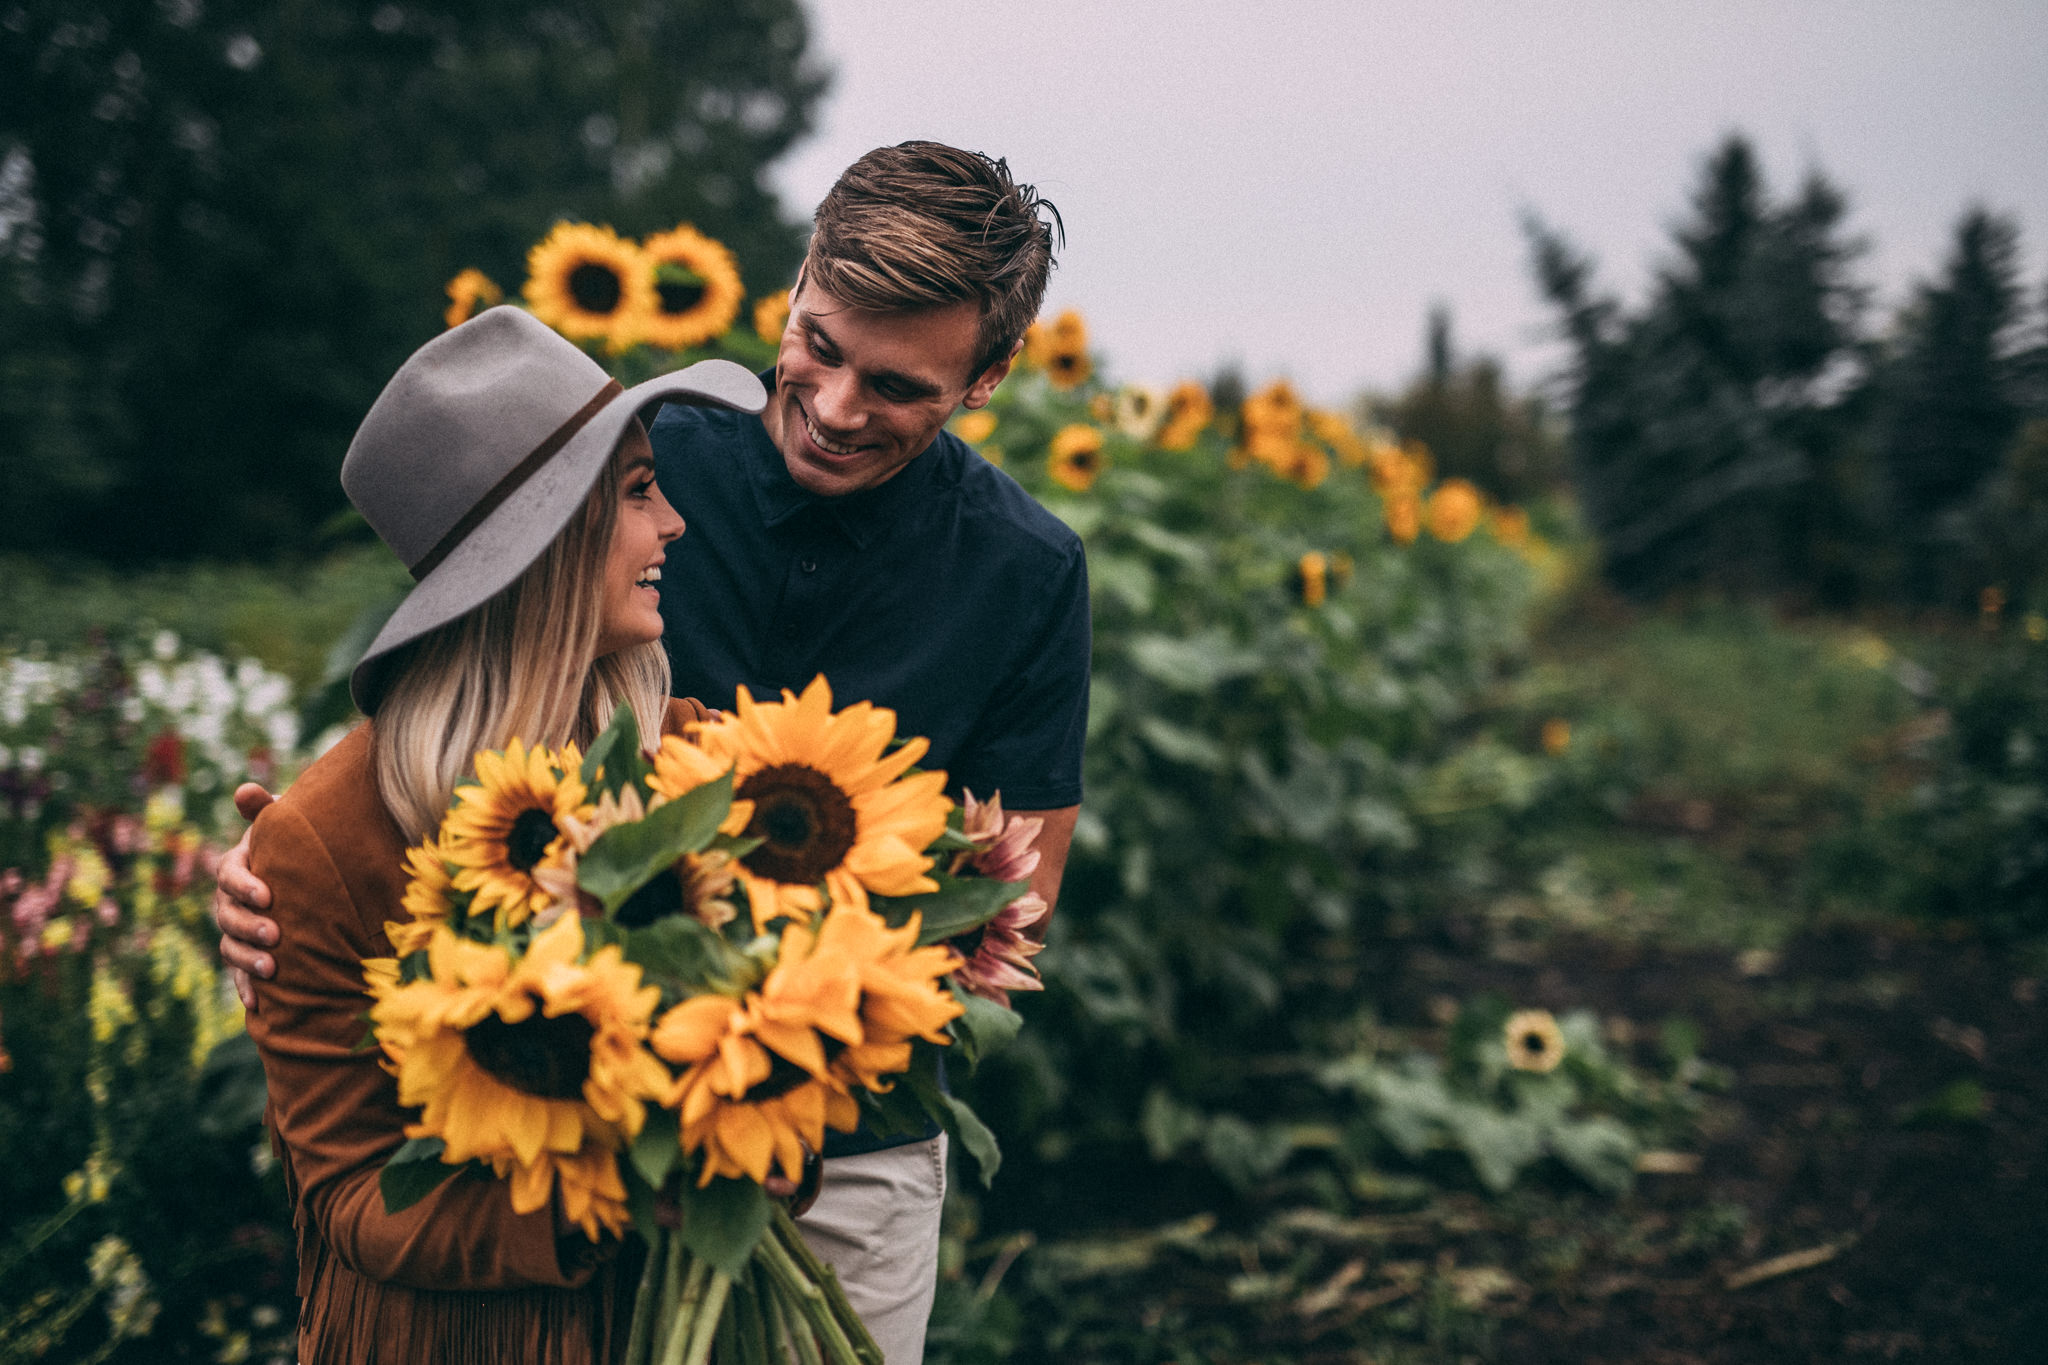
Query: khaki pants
876	1223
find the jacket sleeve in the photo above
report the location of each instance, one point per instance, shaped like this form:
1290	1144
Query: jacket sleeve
335	1112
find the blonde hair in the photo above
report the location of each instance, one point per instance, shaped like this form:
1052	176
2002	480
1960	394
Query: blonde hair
517	667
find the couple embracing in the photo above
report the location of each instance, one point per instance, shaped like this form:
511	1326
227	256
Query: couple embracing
834	528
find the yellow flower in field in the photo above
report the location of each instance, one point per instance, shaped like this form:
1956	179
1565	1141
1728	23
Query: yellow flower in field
1074	457
2036	626
1557	736
1510	526
1188	411
1535	1043
590	284
1060	348
1102	408
771	315
1312	578
1404	516
1405	468
426	898
536	1066
469	293
832	808
1139	410
975	427
1991	603
507	827
1310	466
1454	510
697	289
1334	430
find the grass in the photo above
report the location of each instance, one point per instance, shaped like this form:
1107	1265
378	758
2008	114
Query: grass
287	615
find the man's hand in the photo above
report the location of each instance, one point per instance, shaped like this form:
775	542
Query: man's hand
238	902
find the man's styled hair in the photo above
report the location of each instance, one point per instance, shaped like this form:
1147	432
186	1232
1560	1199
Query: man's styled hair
923	225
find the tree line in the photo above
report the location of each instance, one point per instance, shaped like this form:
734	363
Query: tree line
224	223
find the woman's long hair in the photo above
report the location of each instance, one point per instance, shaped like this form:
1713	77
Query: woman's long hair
516	667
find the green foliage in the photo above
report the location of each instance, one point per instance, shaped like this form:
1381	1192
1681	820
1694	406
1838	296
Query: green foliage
1709	428
228	224
1475	428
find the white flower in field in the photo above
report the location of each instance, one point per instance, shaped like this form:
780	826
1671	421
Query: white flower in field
30	758
248	673
165	646
282	730
132	709
270	692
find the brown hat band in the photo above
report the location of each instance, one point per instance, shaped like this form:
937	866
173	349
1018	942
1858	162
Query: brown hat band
509	485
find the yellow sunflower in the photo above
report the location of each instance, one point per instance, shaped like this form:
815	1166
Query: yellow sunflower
697	289
1060	348
535	1065
590	284
1404	516
426	898
1310	467
1312	578
469	293
1188	411
1075	457
771	316
506	831
1557	736
832	809
766	1075
1535	1043
975	427
1454	510
1510	526
1334	430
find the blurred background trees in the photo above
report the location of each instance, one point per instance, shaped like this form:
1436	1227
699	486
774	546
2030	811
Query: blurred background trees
223	224
1744	428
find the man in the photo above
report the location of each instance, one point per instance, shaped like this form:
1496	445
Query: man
844	532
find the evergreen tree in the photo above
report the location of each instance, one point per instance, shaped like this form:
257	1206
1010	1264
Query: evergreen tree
223	224
1709	428
1952	397
1476	428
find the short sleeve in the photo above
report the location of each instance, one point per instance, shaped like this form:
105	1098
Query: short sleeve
1027	742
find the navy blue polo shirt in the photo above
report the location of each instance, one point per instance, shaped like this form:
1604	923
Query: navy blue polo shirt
946	594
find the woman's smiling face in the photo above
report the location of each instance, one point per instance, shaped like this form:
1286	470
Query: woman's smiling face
640	537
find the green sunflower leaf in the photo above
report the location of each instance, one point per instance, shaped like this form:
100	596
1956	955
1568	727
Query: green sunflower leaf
723	1221
960	904
413	1172
985	1027
615	758
680	951
627	857
962	1124
655	1152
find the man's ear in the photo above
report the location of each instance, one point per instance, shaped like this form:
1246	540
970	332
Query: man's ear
984	386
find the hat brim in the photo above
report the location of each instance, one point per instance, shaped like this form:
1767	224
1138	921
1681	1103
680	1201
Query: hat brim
508	541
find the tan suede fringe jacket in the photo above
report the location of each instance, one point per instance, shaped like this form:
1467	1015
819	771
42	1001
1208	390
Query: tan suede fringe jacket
458	1278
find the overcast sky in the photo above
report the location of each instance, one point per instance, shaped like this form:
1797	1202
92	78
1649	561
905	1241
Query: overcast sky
1290	185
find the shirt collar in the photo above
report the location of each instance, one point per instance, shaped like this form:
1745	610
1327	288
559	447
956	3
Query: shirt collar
862	517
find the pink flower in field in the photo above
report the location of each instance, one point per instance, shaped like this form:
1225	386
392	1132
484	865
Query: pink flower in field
998	954
1005	849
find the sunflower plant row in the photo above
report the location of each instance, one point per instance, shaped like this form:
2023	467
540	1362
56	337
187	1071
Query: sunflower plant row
646	983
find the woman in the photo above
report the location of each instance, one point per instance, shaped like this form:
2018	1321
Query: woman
514	479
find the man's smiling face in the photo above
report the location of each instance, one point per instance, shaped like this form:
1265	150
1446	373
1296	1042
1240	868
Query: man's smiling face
860	394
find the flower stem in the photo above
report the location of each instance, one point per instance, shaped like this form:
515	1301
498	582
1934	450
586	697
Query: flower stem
640	1337
817	1297
709	1312
683	1316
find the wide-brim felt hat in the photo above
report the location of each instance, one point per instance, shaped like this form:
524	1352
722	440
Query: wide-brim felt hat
478	452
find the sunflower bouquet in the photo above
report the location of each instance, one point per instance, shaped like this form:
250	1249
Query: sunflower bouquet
643	984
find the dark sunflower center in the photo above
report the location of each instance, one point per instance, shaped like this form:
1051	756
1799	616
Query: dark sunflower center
659	899
678	297
1535	1044
537	1056
807	823
1086	460
1066	361
526	843
783	1077
969	943
595	287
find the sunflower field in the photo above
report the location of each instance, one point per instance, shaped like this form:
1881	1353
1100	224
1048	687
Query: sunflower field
1367	782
